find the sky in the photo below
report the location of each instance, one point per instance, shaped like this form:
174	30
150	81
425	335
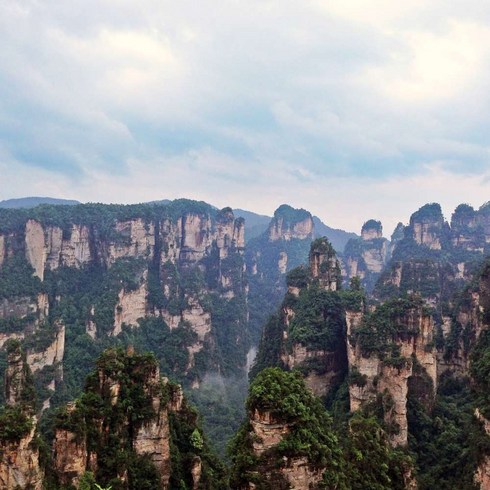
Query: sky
351	109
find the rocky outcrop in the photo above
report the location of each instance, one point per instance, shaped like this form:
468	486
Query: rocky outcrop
268	431
35	247
131	306
129	251
414	366
366	257
428	226
296	472
15	377
51	355
70	456
371	230
200	322
137	239
319	381
289	224
152	439
122	380
19	464
324	266
187	239
49	247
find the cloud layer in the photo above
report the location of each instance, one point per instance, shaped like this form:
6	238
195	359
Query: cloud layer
350	111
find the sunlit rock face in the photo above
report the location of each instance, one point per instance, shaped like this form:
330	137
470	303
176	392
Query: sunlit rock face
366	257
289	223
376	376
188	252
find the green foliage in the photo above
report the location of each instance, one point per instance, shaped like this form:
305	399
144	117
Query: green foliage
298	277
372	224
268	285
15	324
196	440
229	319
447	442
221	401
286	397
480	371
353	299
169	346
96	408
318	322
356	378
87	481
389	322
428	212
370	461
108	425
186	434
17	278
269	351
15	423
290	215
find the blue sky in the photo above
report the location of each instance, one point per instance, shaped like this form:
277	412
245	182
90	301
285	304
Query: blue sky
351	109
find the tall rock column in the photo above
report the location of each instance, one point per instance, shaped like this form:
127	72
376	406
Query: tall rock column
19	464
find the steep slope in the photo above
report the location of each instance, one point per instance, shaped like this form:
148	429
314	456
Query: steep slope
19	449
408	366
256	223
366	257
283	246
435	258
167	278
308	333
132	429
289	442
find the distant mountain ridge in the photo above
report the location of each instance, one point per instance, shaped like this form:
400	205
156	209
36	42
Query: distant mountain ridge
256	223
32	202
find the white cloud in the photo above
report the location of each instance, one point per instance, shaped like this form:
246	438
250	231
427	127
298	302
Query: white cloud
329	105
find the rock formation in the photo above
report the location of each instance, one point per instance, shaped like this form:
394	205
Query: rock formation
86	432
367	256
387	364
289	224
19	464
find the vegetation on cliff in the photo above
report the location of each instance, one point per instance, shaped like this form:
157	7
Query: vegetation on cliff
357	457
118	400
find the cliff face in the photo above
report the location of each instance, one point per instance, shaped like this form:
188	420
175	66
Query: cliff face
435	258
86	432
284	246
74	452
366	257
179	262
289	224
19	464
428	227
405	359
295	472
282	415
308	334
19	467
